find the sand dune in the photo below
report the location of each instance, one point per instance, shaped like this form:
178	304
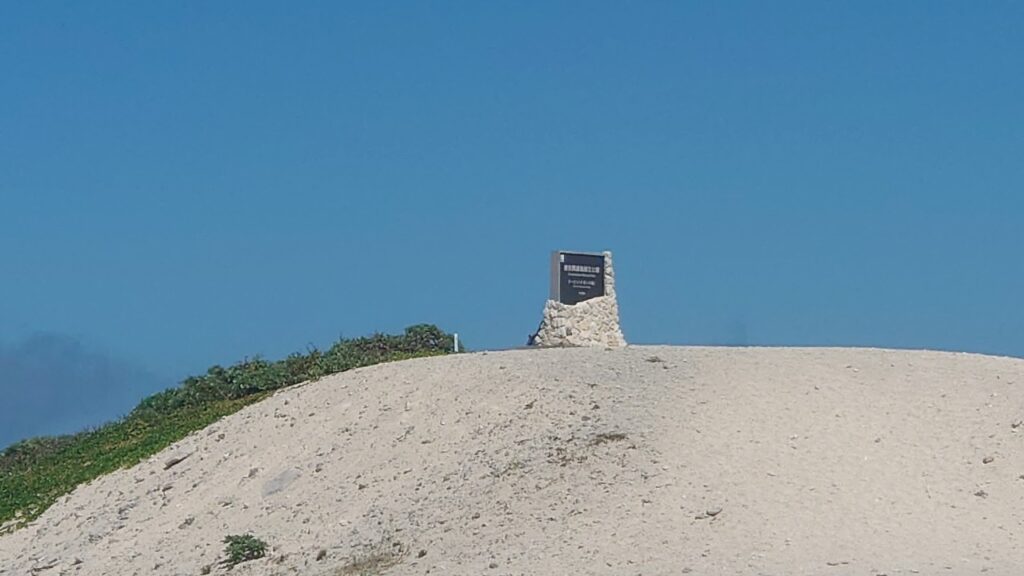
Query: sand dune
643	460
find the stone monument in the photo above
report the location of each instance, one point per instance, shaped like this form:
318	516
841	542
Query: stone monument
582	310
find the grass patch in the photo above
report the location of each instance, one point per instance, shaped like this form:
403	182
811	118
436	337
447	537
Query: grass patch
606	437
380	557
32	480
34	473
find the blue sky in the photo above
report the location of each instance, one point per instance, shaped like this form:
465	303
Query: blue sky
191	183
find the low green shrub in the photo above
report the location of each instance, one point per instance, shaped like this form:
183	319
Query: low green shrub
243	548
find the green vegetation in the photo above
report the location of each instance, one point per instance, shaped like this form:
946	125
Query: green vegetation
34	473
243	548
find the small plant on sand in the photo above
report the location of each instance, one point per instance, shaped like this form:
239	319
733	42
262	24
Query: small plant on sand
606	437
243	548
375	559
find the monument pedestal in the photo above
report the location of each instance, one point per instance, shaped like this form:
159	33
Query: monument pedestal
582	310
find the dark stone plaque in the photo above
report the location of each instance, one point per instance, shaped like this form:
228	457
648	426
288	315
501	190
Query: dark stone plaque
580	276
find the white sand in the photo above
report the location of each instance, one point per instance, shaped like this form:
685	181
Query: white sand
817	461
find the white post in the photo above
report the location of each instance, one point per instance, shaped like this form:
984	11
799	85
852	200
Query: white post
456	342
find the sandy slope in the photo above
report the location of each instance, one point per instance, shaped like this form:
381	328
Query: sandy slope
583	461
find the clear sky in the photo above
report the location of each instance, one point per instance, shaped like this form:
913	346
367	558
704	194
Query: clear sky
190	183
